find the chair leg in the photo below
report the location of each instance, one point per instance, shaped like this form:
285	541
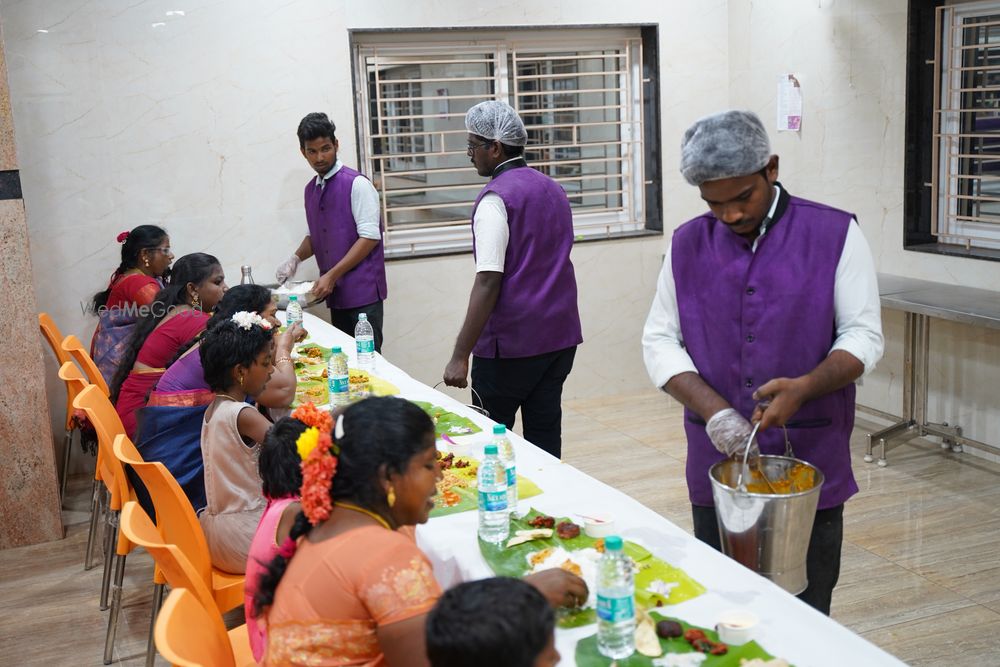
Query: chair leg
67	449
110	539
116	607
150	643
94	514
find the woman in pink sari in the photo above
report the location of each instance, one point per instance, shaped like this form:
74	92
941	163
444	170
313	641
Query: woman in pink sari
146	259
177	315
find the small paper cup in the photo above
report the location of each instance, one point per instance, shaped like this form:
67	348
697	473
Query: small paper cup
599	525
736	626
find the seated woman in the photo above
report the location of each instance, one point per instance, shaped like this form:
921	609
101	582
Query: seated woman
353	588
178	314
169	426
146	259
237	356
281	478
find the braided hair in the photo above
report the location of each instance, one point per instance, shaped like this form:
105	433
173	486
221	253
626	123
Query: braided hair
379	434
143	237
195	268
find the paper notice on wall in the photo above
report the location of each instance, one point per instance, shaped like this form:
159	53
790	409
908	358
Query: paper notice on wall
789	103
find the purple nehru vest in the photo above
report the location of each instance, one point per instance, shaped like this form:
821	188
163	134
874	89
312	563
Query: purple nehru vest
333	231
748	317
536	311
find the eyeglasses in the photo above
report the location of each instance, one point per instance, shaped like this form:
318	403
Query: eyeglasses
165	251
471	148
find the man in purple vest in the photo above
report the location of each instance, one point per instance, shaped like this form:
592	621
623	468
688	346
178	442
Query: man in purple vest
345	233
767	310
522	326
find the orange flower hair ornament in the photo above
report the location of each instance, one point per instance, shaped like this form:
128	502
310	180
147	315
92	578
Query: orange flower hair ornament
319	461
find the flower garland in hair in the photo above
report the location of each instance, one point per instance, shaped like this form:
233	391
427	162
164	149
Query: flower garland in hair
245	319
319	462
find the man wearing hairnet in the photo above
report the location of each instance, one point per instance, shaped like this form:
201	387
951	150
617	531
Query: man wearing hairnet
522	325
766	310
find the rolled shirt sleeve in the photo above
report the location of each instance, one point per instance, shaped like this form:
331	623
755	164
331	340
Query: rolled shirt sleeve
365	207
857	307
662	344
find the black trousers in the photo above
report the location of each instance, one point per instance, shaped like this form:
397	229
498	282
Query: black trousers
822	559
532	385
347	318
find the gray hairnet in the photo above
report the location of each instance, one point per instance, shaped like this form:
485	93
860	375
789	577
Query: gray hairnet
496	121
724	145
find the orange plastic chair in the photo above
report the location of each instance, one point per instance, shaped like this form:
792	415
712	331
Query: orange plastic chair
82	357
177	523
75	384
188	635
54	337
107	424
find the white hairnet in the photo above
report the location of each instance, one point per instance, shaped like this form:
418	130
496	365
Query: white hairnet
724	145
496	121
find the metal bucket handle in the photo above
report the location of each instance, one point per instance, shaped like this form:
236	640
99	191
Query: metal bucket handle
475	397
740	482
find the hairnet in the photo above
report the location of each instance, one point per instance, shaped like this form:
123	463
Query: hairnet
496	121
724	145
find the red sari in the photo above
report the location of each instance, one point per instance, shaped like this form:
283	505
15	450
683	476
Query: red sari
136	288
160	347
117	320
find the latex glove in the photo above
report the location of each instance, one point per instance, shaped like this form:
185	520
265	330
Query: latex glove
286	270
729	431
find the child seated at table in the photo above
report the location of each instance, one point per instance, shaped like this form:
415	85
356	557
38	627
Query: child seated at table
499	622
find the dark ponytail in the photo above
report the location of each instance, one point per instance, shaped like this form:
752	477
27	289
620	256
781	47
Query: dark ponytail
194	268
379	433
143	237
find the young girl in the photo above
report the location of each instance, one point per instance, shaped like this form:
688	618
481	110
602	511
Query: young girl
281	475
237	357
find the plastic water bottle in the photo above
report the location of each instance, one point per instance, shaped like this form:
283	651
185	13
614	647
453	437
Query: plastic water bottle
615	601
364	341
337	378
494	520
293	312
505	450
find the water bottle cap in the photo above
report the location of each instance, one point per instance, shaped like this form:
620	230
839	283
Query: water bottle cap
336	349
499	429
612	543
292	297
362	317
491	449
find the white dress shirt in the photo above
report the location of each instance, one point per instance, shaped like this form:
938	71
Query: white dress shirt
856	304
491	230
364	203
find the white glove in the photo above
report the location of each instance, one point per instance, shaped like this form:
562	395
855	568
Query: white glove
729	431
286	270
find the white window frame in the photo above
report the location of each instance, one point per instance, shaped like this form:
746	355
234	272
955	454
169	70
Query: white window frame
439	238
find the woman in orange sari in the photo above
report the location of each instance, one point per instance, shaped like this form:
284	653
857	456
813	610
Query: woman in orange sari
177	315
145	264
349	585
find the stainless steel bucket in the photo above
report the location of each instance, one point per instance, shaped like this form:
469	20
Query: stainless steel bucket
768	533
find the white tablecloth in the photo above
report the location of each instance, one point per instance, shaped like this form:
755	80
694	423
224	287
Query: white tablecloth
788	628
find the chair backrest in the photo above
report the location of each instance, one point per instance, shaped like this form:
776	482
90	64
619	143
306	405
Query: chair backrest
73	377
174	564
75	348
107	425
175	517
188	635
54	338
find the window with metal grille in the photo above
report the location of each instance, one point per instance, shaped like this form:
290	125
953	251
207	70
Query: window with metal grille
579	92
965	181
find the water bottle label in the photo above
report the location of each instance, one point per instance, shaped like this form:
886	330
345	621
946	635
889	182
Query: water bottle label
339	385
511	476
365	346
615	610
493	501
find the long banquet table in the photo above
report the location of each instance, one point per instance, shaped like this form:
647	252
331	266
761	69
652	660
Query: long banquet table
788	628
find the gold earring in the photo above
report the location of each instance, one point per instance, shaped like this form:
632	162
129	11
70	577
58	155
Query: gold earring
241	380
390	498
196	301
146	262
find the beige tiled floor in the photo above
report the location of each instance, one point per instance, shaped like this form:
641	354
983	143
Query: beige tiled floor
920	577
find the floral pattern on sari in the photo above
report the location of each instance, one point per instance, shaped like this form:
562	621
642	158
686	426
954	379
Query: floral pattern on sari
324	643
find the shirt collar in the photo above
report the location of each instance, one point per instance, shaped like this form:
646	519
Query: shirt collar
321	180
512	163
